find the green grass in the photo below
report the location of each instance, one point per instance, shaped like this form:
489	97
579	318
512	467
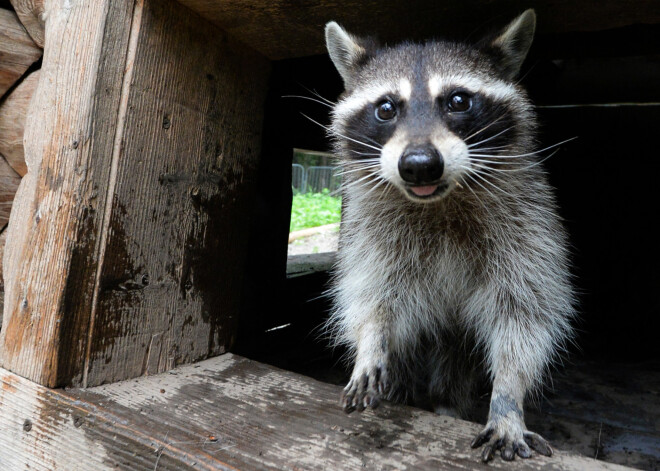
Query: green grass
314	209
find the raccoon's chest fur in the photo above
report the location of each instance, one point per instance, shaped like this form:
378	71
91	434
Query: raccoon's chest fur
423	263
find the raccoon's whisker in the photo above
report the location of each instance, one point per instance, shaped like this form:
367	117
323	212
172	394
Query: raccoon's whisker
308	98
348	172
332	131
347	168
321	97
368	176
482	129
495	161
471	174
482	176
490	138
362	153
350	163
504	170
382	181
514	197
528	153
469	187
483	149
367	138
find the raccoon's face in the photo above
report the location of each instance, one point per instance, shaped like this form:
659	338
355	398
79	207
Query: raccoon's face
419	116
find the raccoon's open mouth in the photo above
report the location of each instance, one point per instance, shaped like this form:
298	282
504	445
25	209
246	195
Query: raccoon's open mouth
427	191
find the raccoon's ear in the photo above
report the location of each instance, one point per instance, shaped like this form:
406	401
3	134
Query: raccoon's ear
512	44
346	51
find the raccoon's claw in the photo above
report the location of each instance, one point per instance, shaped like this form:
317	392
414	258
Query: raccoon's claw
509	446
364	390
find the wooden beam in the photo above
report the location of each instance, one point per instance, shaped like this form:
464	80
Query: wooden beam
13	111
31	14
282	29
230	413
52	240
129	234
17	50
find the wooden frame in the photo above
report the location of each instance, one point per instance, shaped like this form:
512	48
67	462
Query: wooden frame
142	142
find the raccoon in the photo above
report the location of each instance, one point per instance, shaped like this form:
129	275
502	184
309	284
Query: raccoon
453	261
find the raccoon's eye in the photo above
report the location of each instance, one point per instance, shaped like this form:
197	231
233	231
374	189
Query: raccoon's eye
385	111
459	102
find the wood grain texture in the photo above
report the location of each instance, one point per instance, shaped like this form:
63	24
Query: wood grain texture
230	413
9	181
13	111
170	286
52	241
282	29
31	14
3	239
17	50
130	239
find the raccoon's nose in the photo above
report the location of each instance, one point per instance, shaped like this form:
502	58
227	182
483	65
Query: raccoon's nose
421	165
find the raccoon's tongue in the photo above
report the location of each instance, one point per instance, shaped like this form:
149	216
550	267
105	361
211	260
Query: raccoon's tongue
424	190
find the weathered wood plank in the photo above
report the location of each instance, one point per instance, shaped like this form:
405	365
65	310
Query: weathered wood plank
170	286
9	181
13	111
17	50
232	413
3	238
281	29
31	14
130	238
52	242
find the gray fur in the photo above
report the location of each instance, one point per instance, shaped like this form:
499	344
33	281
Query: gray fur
432	295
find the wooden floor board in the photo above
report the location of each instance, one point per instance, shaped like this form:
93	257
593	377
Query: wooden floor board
230	413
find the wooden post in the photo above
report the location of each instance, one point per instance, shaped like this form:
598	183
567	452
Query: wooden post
17	50
126	251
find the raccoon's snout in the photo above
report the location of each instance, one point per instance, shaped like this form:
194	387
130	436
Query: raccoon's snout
421	165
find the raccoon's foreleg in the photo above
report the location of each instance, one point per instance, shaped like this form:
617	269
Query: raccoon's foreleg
518	351
369	380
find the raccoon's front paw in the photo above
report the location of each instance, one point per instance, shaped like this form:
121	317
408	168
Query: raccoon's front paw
510	440
364	389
